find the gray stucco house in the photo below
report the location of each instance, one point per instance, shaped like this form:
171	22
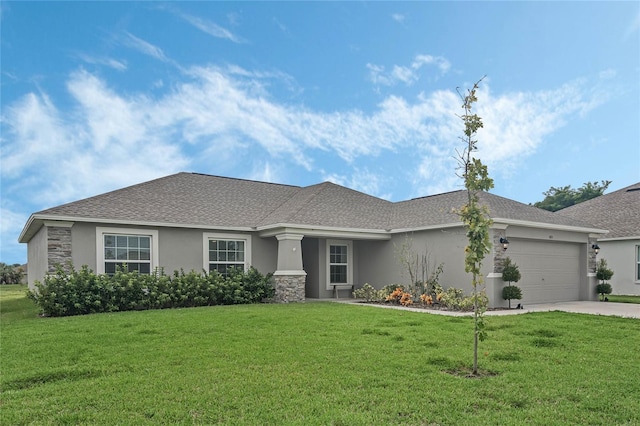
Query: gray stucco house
316	239
619	212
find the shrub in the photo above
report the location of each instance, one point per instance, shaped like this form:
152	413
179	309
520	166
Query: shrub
466	304
510	272
400	296
602	289
369	294
511	292
603	273
426	299
83	292
451	298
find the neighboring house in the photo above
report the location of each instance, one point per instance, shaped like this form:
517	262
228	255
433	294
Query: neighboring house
619	212
316	239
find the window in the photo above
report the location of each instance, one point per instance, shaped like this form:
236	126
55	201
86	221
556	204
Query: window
136	248
339	263
225	251
637	263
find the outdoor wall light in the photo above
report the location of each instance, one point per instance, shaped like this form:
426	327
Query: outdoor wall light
595	248
504	242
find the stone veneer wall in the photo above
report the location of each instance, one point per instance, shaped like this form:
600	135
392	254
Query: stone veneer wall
58	247
290	288
499	254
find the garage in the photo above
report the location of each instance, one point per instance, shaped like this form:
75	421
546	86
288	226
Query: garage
550	270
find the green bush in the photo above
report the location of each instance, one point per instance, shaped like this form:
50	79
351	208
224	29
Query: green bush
451	298
603	288
370	294
510	272
603	273
511	292
84	292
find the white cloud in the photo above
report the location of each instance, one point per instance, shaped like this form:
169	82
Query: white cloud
406	74
144	47
360	180
398	17
109	62
211	28
221	118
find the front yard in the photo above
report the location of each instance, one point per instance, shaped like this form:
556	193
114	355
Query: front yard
312	363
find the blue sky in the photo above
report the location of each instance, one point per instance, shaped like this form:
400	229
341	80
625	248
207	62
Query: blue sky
100	95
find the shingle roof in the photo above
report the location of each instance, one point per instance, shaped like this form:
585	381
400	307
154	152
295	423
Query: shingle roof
618	211
440	209
332	205
186	199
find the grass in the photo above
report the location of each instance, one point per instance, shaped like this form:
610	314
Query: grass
623	299
314	363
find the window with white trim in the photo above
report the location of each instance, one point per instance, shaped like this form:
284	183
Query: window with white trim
135	248
339	263
225	251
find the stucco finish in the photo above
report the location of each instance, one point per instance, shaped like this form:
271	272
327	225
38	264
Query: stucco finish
179	248
37	257
621	258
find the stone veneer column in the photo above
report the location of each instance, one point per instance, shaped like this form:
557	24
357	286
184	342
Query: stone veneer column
59	251
290	278
499	254
493	282
290	288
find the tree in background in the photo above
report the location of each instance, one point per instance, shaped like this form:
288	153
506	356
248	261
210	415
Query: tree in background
559	198
474	215
11	274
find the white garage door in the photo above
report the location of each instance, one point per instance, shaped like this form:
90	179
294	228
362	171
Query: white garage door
550	270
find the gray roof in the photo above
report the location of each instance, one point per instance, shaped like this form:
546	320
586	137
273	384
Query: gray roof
192	199
440	209
618	211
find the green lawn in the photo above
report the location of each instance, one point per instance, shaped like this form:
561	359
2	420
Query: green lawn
314	363
624	299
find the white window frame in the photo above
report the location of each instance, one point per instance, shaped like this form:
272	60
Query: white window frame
208	236
349	245
102	231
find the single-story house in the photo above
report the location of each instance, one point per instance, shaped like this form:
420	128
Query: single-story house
320	241
619	212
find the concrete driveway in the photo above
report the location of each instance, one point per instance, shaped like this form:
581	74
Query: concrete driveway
627	310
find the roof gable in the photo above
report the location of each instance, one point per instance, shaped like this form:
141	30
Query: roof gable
618	211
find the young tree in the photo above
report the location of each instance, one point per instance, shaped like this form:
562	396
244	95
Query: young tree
473	214
604	274
511	273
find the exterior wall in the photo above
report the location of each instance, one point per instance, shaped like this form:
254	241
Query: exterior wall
178	248
621	258
311	265
379	265
37	257
84	245
264	254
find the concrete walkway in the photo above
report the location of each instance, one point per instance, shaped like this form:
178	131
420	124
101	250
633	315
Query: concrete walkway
626	310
